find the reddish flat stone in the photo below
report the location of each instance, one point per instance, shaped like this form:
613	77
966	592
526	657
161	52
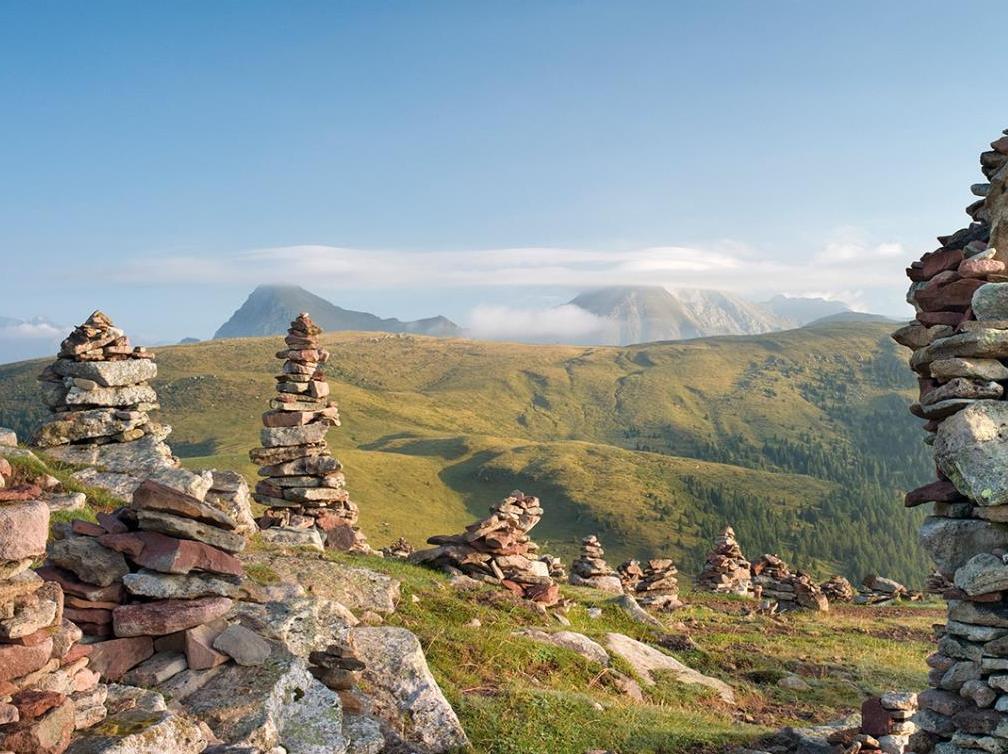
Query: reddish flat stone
97	615
167	616
875	720
17	660
111	523
32	639
154	496
198	646
49	734
82	604
939	491
75	653
950	297
978	268
24	529
951	319
111	659
939	261
72	585
20	492
34	703
86	528
170	555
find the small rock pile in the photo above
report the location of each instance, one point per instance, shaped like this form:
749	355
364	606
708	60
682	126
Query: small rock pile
959	339
877	590
591	568
658	587
156	580
780	589
887	724
726	569
47	690
338	668
557	570
303	489
838	589
400	549
498	550
629	572
99	393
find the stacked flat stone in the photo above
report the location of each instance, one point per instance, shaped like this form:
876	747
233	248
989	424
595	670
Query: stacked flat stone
887	723
658	588
47	690
99	394
878	590
400	549
339	668
153	585
629	572
959	339
557	570
726	569
498	550
303	488
838	589
780	589
591	568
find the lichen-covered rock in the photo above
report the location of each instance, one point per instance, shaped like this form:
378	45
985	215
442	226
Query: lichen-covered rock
404	692
363	589
951	542
971	449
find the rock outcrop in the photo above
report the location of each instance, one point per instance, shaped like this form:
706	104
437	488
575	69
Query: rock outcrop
498	550
303	486
726	569
959	339
591	568
99	393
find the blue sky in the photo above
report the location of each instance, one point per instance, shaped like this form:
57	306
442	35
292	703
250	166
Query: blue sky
410	159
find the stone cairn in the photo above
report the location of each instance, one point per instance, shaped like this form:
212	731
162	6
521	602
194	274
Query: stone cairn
498	550
557	570
959	340
658	586
629	572
47	689
878	590
838	589
887	722
99	394
152	585
591	568
780	589
400	549
726	569
303	489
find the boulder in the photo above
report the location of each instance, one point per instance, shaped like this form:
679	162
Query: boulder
404	692
301	624
24	529
645	660
971	449
990	301
363	589
108	373
575	642
244	646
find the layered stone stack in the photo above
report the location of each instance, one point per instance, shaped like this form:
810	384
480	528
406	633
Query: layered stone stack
400	549
591	568
838	589
887	723
498	550
959	340
780	589
338	668
726	569
99	392
557	570
303	488
877	590
47	690
156	580
629	572
658	587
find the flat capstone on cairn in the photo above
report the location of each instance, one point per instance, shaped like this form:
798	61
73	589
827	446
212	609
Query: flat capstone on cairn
303	486
152	587
591	569
498	550
726	570
959	340
47	689
99	393
779	589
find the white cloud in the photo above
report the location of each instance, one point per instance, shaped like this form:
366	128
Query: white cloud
847	267
31	331
565	323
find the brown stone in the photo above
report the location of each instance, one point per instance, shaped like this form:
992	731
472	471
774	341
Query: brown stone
24	530
167	616
939	491
198	645
35	703
154	496
939	318
953	296
939	261
111	659
875	719
111	523
91	616
49	734
86	528
166	554
71	585
17	660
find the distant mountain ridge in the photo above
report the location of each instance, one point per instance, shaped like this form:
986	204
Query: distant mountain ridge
642	314
269	310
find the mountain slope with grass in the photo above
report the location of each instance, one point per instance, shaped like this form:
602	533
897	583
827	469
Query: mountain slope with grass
799	439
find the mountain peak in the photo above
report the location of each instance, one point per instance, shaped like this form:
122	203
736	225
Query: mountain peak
270	308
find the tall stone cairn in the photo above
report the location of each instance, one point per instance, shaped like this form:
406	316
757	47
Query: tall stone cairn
959	339
303	488
99	393
780	589
591	569
498	550
47	690
726	569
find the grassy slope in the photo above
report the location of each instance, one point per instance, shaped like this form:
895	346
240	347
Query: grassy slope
515	696
435	430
